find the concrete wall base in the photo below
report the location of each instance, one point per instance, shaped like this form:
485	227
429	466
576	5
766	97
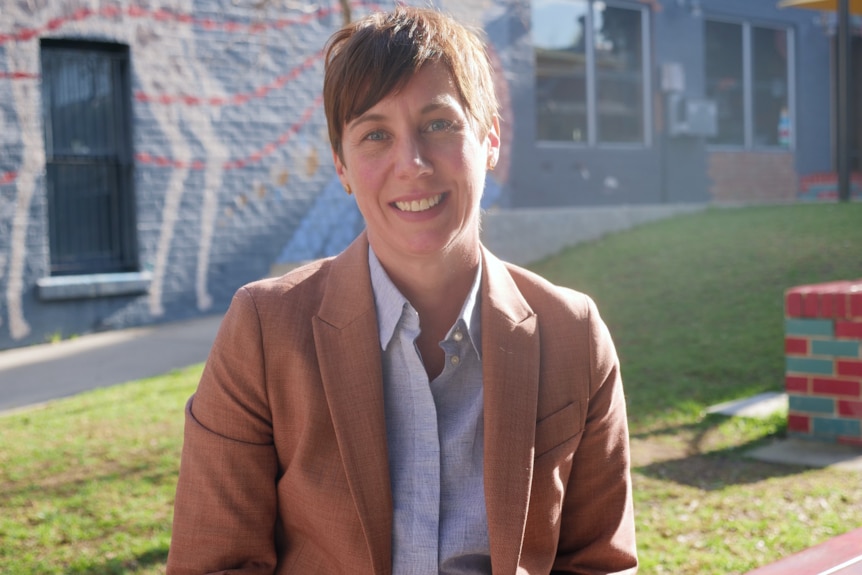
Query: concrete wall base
525	235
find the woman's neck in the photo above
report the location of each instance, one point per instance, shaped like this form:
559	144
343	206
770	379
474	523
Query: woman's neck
436	287
435	284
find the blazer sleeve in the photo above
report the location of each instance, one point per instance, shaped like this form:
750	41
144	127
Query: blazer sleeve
597	534
226	506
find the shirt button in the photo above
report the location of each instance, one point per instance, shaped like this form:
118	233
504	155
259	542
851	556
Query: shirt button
458	336
455	360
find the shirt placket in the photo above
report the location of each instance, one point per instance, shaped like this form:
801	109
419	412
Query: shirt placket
416	516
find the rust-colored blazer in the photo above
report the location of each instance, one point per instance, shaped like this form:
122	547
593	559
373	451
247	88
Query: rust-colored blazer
284	466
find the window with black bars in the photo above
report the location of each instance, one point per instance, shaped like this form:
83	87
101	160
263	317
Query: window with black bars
86	109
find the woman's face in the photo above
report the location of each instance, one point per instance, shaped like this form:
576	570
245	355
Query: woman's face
417	167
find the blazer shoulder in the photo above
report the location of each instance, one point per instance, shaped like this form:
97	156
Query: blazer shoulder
285	301
299	283
548	298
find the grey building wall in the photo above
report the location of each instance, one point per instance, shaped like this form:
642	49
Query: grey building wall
232	171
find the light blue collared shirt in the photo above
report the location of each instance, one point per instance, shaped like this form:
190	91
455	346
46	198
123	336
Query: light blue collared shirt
435	436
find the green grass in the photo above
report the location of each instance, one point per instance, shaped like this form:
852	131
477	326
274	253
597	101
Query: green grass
695	305
87	483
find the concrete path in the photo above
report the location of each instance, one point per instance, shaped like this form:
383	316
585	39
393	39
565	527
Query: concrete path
41	373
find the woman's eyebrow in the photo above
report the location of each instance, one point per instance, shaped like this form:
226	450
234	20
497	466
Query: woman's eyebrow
365	118
442	103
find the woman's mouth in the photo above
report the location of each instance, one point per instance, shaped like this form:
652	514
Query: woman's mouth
419	205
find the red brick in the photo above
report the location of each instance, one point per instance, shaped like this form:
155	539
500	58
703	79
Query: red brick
800	423
848	329
796	346
850	409
793	304
827	386
856	441
827	308
796	383
834	304
856	304
811	305
849	368
840	301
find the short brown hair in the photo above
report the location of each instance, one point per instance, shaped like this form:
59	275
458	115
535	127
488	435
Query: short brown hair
369	59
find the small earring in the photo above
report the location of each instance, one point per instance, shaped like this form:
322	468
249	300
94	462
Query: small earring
347	189
492	163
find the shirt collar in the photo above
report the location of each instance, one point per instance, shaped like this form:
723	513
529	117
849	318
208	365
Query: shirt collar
391	305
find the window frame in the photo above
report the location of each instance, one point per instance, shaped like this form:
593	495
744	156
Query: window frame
592	113
749	135
115	162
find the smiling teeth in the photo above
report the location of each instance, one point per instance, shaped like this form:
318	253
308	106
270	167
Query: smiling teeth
419	205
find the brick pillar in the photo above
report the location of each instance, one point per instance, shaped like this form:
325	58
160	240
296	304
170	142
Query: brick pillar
823	347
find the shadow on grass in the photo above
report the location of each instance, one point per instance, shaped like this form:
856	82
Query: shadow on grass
717	470
70	482
155	556
713	469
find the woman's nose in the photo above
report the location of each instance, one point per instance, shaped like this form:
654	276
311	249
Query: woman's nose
413	159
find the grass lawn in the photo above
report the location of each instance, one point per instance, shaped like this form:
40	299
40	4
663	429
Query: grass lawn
695	305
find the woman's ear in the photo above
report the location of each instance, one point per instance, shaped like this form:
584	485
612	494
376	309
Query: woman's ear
341	171
492	140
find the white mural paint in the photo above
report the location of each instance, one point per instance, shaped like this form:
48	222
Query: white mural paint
167	63
22	56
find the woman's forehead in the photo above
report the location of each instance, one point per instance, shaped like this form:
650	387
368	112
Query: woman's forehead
430	88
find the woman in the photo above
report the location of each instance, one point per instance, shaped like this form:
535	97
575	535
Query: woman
413	405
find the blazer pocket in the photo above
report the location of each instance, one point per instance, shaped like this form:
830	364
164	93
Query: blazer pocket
559	427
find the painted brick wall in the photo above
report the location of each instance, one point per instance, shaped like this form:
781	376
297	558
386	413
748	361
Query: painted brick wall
824	186
752	176
823	347
232	168
229	143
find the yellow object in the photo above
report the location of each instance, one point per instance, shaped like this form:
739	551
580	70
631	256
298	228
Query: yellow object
830	5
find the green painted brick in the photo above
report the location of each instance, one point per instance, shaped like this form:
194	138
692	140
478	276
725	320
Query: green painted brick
806	404
809	327
834	427
808	365
835	348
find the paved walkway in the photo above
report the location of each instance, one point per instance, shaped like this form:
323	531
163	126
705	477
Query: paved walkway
40	373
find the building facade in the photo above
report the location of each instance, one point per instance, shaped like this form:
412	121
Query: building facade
157	154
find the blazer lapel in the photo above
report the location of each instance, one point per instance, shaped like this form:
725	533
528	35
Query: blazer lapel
345	333
510	359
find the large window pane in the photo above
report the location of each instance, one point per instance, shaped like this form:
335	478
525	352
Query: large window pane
559	38
619	74
91	238
724	80
78	87
769	71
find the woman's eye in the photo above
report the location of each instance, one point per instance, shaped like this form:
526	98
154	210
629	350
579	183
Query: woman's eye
438	125
376	135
